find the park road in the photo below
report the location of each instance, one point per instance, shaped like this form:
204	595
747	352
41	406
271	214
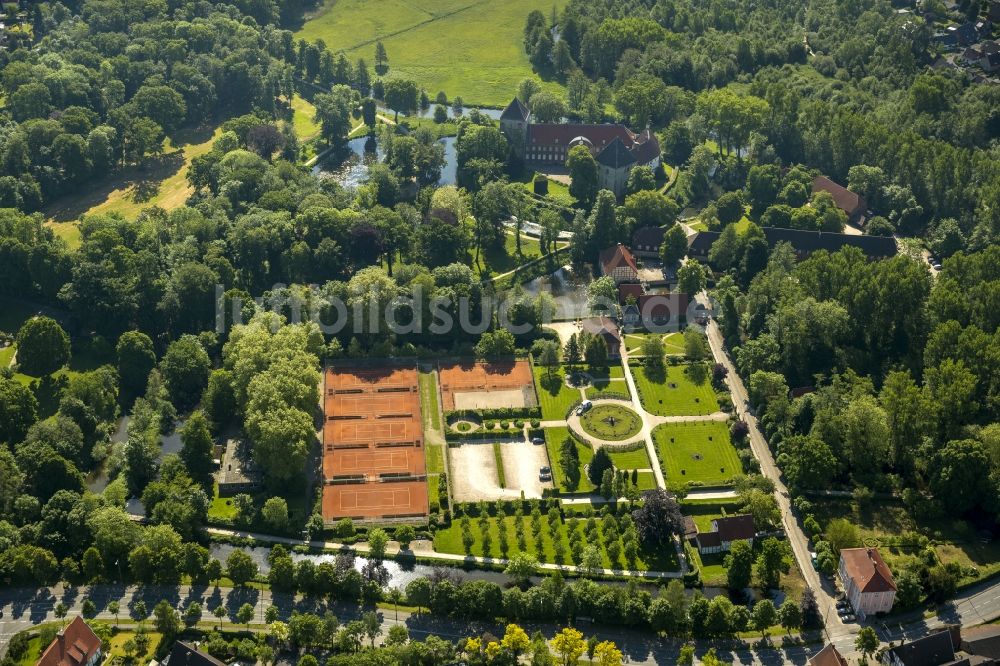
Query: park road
824	589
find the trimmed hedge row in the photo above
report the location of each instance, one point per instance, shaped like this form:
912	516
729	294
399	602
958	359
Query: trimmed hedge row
495	414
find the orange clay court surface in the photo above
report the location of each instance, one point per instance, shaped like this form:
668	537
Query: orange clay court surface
477	385
376	500
373	434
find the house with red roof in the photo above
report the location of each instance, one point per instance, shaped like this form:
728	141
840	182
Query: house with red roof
828	656
75	645
619	264
850	202
725	532
607	329
867	581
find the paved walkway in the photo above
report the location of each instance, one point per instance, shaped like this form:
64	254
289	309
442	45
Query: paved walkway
420	549
647	424
573	421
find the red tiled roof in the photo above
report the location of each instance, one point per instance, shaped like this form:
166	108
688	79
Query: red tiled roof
615	256
648	236
735	528
73	646
627	289
868	570
601	326
828	656
662	306
847	201
562	133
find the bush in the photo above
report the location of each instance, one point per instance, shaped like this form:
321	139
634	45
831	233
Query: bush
535	424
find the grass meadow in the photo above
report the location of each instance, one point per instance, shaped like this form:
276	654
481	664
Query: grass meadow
467	48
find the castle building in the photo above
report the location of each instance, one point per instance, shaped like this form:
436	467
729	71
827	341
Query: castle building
616	148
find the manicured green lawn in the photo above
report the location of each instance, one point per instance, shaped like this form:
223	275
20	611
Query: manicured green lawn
647	481
637	459
673	343
611	422
306	129
610	380
473	49
696	452
221	508
675	394
553	394
429	400
502	258
558	192
553	443
449	540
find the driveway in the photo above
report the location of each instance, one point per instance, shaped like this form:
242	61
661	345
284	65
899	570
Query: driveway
824	589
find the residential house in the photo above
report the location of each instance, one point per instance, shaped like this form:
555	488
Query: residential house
615	147
630	292
804	242
607	329
618	263
971	55
867	581
984	28
933	649
238	473
850	202
76	644
828	656
656	312
185	654
646	241
725	532
990	62
982	642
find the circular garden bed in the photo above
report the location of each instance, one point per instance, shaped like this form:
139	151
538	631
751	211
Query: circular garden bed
612	423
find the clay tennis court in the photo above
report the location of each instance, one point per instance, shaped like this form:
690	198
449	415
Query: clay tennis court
487	385
399	500
373	448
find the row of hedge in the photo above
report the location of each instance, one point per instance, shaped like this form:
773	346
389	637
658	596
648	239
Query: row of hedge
495	414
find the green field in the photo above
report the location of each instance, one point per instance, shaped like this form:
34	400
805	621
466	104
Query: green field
637	459
429	400
553	442
673	343
502	258
472	49
553	394
158	181
698	452
306	128
449	540
610	380
674	394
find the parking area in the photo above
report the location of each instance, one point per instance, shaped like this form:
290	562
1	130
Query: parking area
474	474
521	462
